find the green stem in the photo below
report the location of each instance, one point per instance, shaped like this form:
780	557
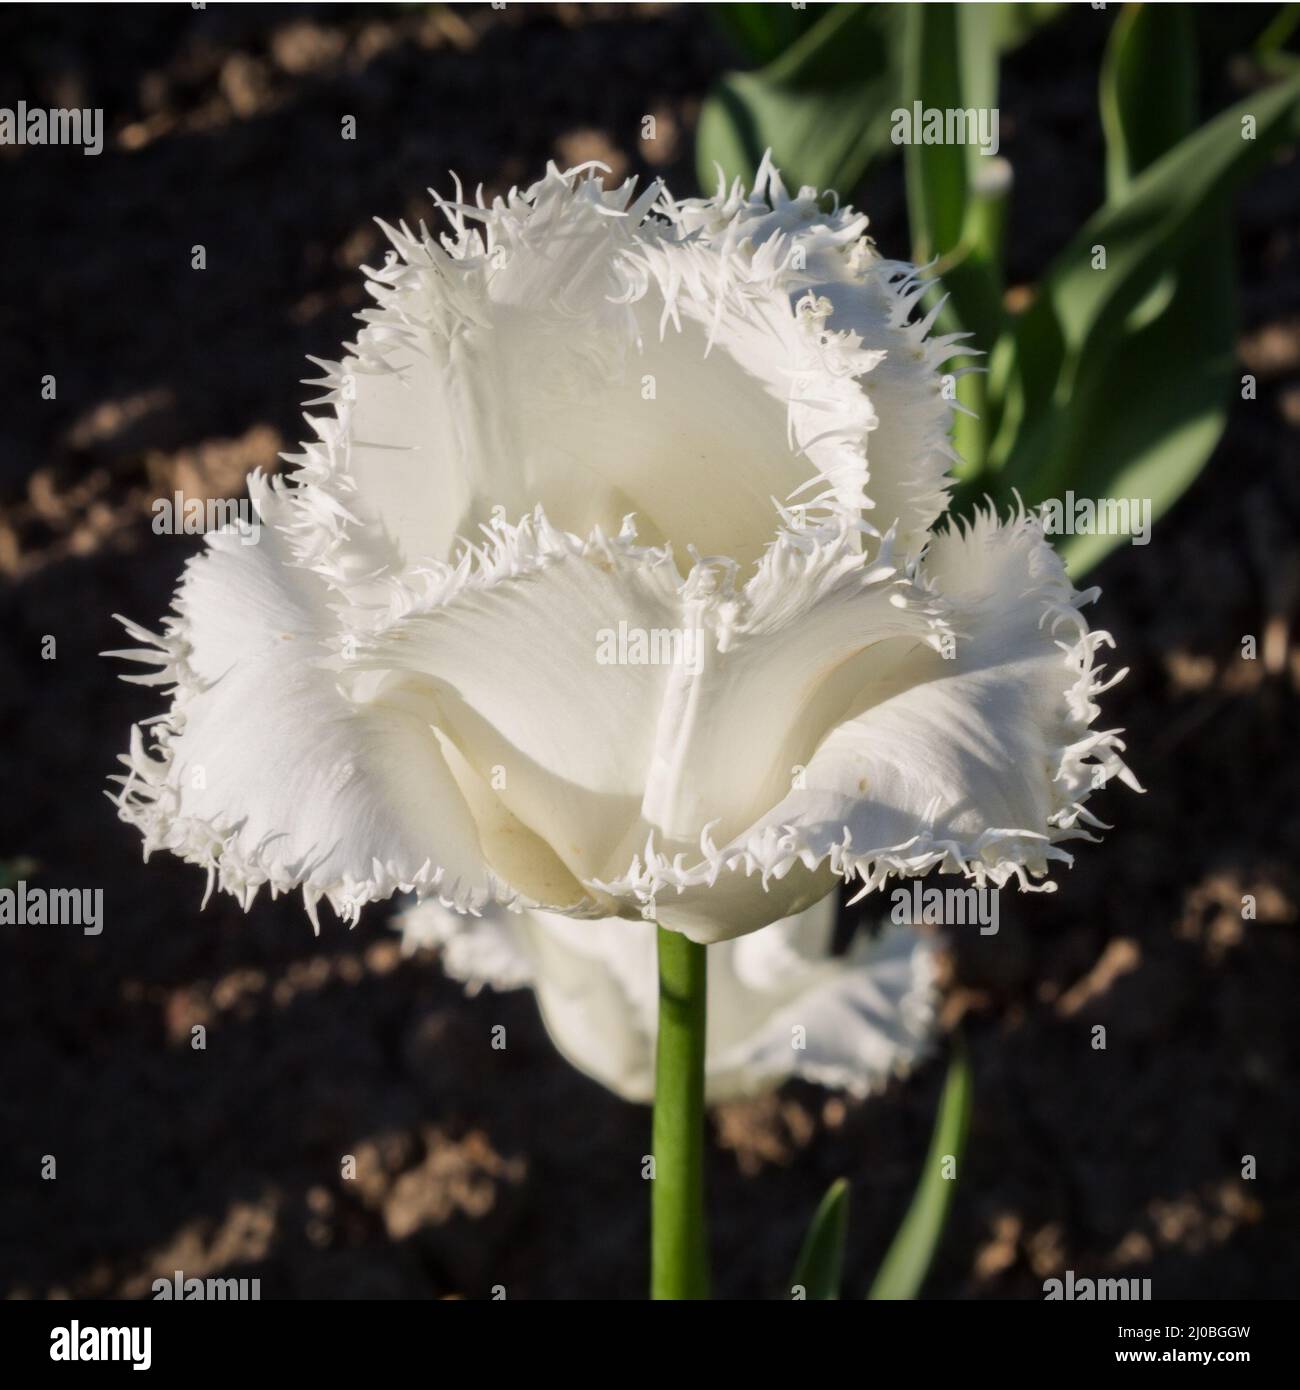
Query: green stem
679	1262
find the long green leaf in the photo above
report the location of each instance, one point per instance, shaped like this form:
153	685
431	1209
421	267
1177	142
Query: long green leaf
1164	210
905	1265
1153	409
1151	415
820	1266
1148	90
1118	383
823	107
763	31
956	193
824	103
1270	47
950	63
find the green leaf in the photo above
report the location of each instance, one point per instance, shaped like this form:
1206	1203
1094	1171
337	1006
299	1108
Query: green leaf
1152	414
1165	209
1119	379
763	32
824	103
1270	47
949	63
956	194
1015	23
905	1265
1156	406
823	106
821	1260
1148	90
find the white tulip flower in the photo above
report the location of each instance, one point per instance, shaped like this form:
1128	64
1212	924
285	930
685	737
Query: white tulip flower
780	1004
609	587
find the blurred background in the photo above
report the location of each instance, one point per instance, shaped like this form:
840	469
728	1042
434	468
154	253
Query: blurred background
478	1167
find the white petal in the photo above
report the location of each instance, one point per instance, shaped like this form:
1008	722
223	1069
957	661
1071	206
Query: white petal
981	763
885	354
596	981
779	1003
615	763
561	348
784	657
851	1023
264	772
908	450
535	361
509	664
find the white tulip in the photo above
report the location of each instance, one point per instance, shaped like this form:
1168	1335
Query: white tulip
609	587
779	1003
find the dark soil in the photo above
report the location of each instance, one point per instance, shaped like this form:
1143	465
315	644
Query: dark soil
479	1167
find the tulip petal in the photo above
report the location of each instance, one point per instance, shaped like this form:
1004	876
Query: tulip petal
610	751
265	772
865	309
531	359
786	655
699	369
980	764
780	1004
851	1023
517	659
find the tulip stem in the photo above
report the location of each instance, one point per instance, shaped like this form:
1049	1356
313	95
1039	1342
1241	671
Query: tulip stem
679	1262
